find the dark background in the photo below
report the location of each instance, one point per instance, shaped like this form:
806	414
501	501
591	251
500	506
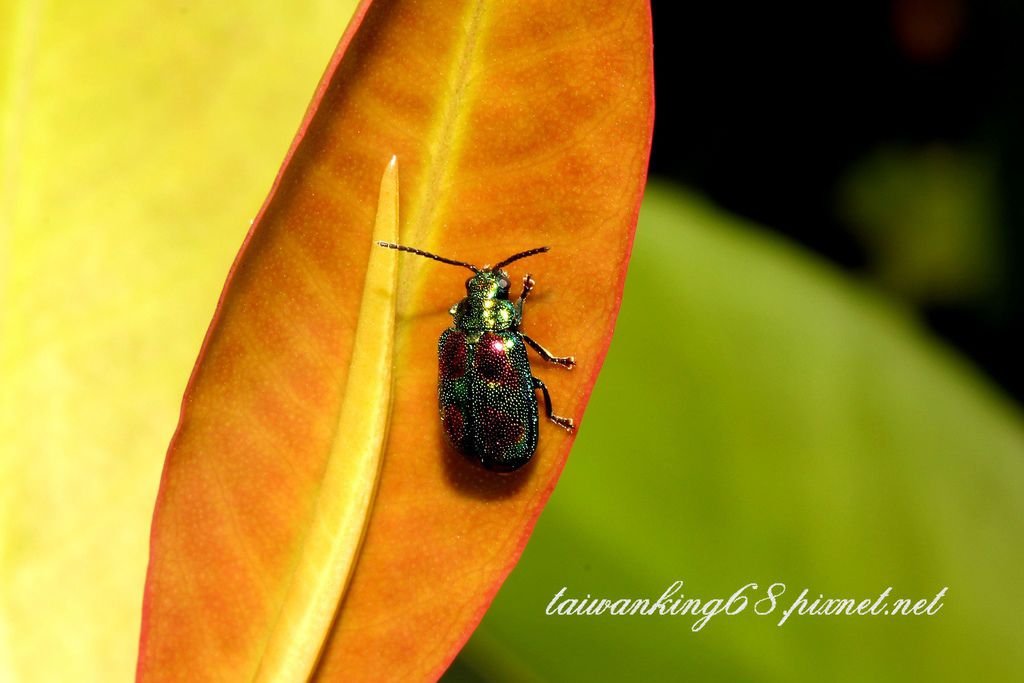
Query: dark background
776	113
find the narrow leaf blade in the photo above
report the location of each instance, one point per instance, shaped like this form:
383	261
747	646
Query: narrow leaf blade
350	481
518	124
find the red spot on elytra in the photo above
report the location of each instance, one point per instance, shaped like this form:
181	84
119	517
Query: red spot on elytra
454	424
492	361
453	356
499	430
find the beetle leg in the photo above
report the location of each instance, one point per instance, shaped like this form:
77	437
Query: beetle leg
528	283
565	423
567	362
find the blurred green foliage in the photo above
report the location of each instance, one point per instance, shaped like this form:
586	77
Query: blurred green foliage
759	419
928	218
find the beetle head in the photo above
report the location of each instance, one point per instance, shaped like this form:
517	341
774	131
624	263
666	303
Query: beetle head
488	284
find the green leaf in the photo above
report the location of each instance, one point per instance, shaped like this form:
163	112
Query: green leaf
761	419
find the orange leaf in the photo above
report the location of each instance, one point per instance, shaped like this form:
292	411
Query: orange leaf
516	125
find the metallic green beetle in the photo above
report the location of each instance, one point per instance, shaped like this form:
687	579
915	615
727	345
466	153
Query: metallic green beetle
486	389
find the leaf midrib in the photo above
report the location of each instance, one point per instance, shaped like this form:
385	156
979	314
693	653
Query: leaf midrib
421	228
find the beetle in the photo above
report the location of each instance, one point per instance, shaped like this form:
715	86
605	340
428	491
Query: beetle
486	388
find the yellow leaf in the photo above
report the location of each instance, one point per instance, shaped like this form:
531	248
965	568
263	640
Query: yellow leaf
137	140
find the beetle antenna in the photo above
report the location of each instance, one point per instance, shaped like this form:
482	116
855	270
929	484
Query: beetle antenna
522	254
420	252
